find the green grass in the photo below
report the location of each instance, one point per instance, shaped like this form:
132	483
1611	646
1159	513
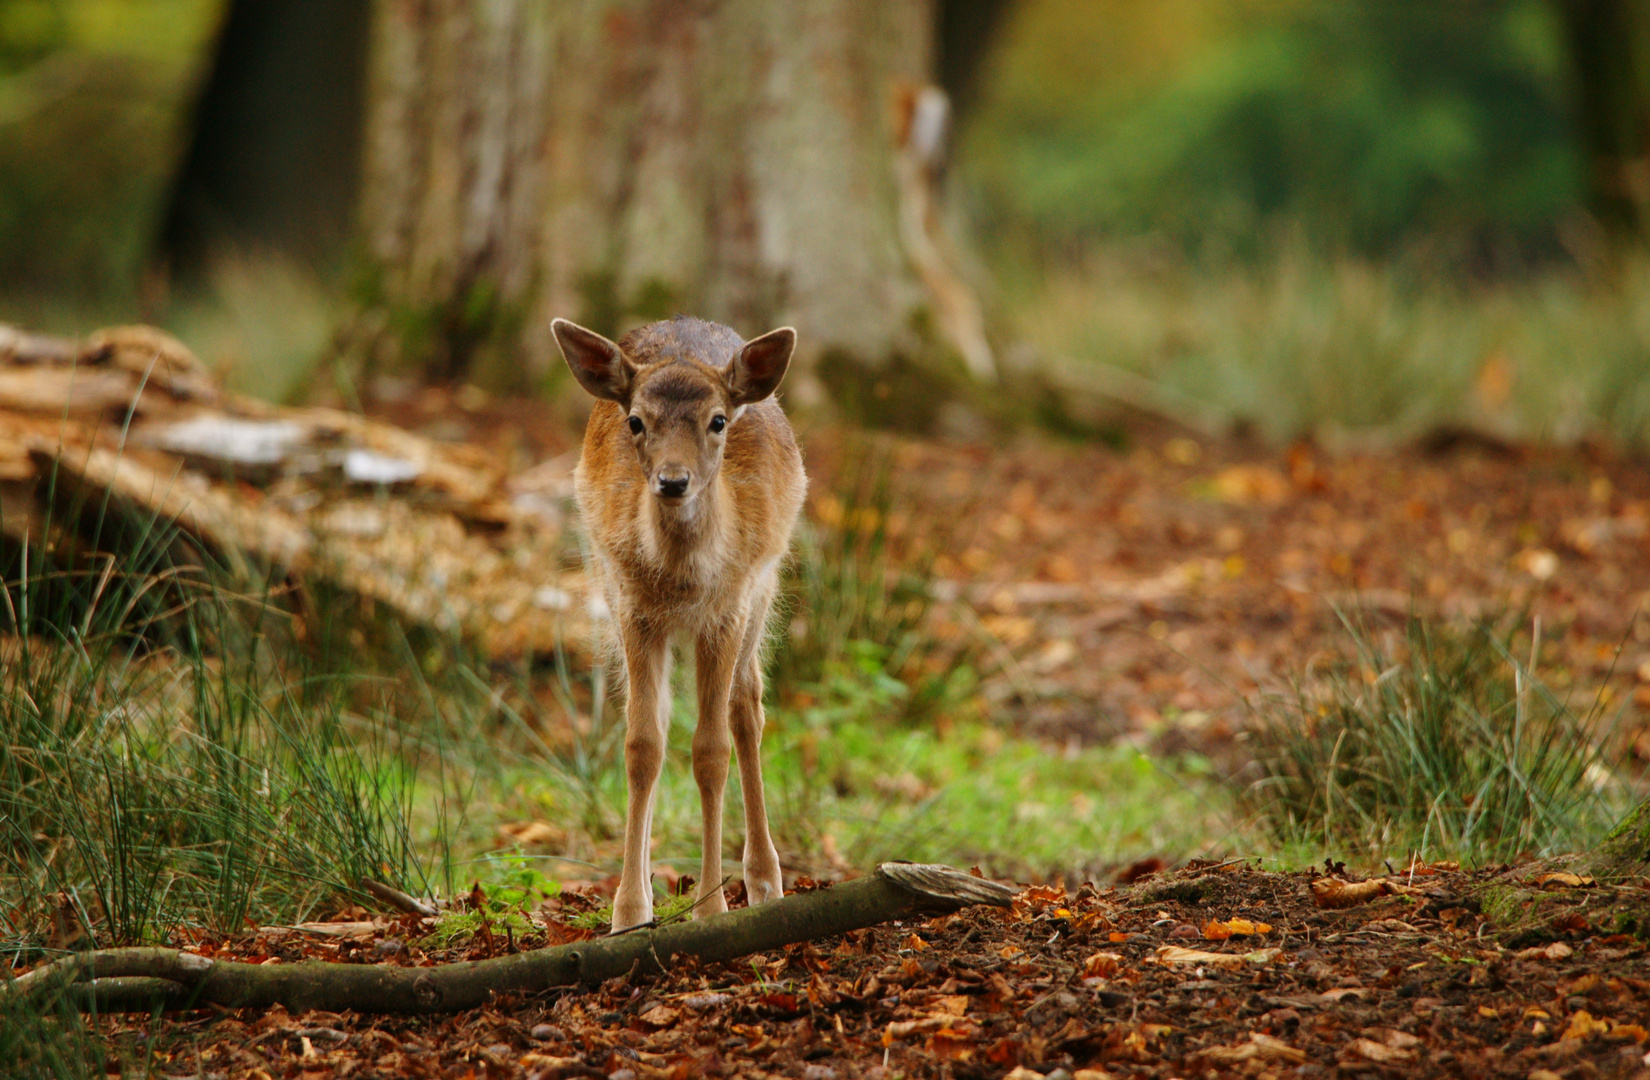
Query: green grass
1442	745
1347	350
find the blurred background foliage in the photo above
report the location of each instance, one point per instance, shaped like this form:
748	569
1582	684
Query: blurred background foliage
93	101
1301	216
1367	123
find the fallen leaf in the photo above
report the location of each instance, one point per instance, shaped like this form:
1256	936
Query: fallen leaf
951	1004
1009	952
1174	954
660	1016
1258	1048
1243	484
1389	926
1562	880
1584	1026
915	943
1335	893
1398	1040
1344	991
527	833
1381	1053
1101	965
951	1044
1215	930
1628	1033
1556	951
902	1029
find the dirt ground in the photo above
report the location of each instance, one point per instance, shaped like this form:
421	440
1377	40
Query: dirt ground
1209	970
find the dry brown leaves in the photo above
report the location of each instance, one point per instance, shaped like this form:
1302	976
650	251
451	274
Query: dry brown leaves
983	995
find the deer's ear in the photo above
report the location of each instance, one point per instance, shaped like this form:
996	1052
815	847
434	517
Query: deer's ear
760	366
600	366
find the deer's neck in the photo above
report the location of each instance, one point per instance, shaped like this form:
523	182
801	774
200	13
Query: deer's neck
681	538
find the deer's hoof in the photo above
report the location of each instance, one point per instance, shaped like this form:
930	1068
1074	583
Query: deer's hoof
628	913
760	891
715	904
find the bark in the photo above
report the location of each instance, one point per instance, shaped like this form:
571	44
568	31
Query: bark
1610	54
142	978
615	161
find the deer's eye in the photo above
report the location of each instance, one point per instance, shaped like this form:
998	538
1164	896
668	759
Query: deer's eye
635	425
717	423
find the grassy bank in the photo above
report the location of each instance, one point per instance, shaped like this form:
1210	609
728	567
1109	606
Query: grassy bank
1351	350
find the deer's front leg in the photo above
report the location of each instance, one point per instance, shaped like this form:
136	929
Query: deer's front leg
647	718
715	656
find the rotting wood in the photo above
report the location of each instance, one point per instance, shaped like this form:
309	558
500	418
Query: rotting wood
138	979
437	532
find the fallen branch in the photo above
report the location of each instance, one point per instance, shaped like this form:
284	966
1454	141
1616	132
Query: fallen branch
139	979
399	900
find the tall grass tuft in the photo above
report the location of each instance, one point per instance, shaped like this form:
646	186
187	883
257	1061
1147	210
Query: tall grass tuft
163	768
861	610
1446	746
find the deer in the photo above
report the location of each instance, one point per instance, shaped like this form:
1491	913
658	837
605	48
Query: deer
689	484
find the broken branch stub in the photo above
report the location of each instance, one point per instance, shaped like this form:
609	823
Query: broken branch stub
143	978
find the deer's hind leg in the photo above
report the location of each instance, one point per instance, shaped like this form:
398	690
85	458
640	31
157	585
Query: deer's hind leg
715	657
647	719
762	877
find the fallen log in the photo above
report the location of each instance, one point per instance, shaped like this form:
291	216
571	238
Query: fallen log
130	423
140	979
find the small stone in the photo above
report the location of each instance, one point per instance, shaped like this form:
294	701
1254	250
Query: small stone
547	1032
1184	932
818	1072
388	948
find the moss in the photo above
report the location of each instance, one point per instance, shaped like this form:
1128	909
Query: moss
1503	905
456	926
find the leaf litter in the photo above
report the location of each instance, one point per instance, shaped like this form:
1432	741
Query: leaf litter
1089	981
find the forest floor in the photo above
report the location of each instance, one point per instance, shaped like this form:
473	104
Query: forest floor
1150	595
1213	969
1156	594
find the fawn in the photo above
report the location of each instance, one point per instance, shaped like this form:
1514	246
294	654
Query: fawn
689	484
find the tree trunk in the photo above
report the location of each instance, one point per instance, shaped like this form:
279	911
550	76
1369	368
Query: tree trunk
274	148
1610	53
617	161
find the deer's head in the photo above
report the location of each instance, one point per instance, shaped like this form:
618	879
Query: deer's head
682	384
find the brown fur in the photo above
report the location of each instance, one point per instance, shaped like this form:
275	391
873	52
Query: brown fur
702	564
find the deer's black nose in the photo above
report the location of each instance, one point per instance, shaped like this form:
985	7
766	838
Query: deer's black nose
673	487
